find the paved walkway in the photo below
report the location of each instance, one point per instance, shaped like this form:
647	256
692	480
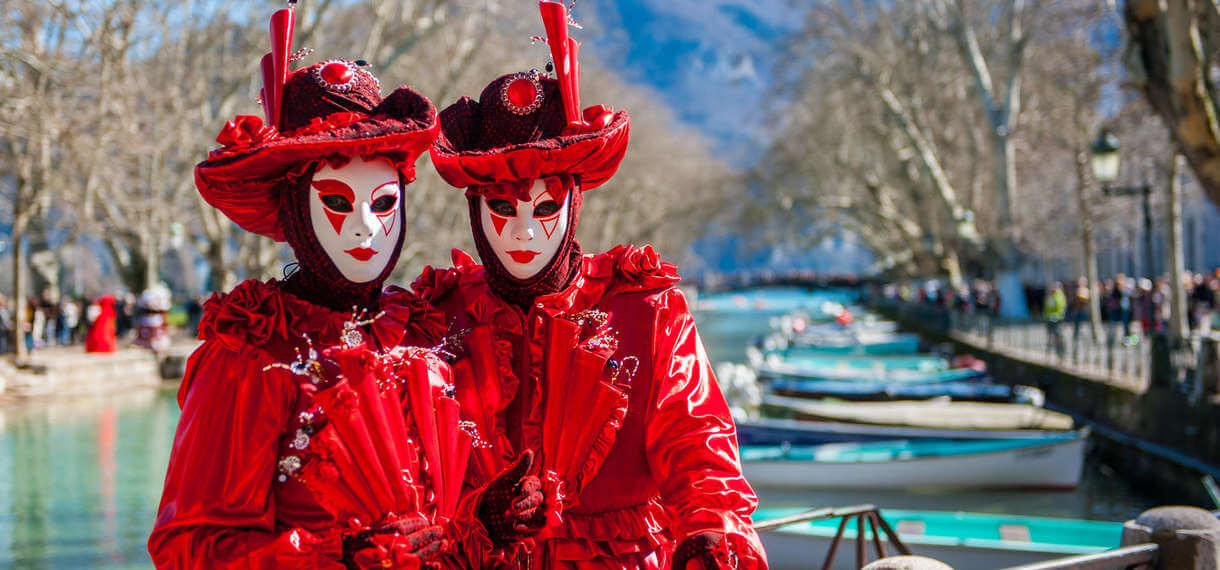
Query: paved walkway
1113	359
70	371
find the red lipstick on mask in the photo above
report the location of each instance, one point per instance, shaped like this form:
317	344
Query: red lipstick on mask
523	256
361	253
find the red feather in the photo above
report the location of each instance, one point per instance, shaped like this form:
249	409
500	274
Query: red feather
271	94
555	20
282	24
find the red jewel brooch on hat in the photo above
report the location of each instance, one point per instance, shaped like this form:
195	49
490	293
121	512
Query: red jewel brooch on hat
522	94
336	75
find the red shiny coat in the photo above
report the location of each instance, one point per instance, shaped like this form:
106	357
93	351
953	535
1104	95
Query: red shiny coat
223	504
662	461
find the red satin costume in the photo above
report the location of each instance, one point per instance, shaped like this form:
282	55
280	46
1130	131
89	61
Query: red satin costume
665	465
223	505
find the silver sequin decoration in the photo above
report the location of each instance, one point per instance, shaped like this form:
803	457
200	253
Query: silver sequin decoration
289	464
301	441
352	338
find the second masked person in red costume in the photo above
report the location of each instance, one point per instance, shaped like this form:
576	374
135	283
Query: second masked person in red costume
257	477
600	369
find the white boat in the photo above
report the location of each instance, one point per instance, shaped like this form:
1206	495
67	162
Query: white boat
936	413
1049	462
965	541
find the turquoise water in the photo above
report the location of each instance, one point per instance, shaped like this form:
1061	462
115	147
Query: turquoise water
80	479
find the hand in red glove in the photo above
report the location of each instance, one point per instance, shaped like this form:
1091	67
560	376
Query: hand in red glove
705	551
409	542
516	505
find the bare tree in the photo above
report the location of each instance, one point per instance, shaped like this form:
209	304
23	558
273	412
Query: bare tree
1172	56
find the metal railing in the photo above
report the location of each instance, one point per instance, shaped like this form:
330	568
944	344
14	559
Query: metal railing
1122	358
1137	557
864	515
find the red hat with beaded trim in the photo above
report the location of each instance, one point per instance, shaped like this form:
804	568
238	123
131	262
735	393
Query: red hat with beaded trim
527	125
331	110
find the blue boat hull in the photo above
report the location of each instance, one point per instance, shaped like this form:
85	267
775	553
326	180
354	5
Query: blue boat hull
970	391
767	431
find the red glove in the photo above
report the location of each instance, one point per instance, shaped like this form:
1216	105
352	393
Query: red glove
516	505
705	551
409	542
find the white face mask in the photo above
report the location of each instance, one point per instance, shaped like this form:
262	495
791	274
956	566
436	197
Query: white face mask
525	234
354	211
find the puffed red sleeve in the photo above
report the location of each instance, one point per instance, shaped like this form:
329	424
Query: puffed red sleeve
217	509
692	441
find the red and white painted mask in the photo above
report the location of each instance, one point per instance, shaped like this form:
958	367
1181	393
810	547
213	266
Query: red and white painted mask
525	234
355	214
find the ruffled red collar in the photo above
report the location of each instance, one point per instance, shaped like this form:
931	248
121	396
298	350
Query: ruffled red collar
256	312
622	269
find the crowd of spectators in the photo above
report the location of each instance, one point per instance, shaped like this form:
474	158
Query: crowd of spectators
1129	307
64	320
1132	306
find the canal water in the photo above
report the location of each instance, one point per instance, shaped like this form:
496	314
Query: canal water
80	479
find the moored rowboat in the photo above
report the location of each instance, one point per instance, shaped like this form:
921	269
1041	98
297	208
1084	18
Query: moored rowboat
1043	463
922	413
774	431
965	541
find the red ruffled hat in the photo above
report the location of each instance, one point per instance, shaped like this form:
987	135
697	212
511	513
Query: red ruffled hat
527	125
331	110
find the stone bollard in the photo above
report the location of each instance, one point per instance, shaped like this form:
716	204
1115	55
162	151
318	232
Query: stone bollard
1188	538
907	563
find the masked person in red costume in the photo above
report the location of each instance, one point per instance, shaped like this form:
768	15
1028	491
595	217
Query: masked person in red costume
601	370
326	174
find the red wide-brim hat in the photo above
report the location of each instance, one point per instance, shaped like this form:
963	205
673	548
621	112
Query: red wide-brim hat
330	111
517	131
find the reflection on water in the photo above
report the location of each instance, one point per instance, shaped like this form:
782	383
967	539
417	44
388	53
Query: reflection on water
80	479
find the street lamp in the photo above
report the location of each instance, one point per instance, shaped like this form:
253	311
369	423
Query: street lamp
1105	170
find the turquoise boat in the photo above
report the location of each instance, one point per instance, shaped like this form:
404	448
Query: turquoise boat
1048	462
821	362
965	541
797	372
897	343
774	301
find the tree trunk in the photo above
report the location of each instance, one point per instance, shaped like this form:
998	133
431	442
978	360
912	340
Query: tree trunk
1083	184
1168	61
19	292
221	275
151	257
1177	263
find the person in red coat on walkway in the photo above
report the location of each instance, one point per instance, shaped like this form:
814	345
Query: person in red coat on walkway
600	369
251	481
101	336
